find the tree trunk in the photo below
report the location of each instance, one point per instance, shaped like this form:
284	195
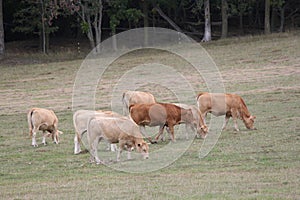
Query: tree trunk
267	17
2	46
90	34
114	39
146	22
207	30
282	15
241	23
43	34
163	15
224	19
273	19
97	26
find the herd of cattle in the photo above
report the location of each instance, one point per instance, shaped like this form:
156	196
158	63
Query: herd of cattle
140	109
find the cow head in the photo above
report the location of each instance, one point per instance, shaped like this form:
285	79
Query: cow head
249	122
202	131
143	148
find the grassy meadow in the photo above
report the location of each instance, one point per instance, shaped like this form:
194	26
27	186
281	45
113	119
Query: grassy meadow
259	164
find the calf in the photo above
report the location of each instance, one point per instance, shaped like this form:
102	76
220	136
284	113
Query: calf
44	120
80	119
134	97
160	114
115	130
230	105
200	126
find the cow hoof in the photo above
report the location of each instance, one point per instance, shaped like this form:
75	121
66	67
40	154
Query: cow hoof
35	145
45	143
77	152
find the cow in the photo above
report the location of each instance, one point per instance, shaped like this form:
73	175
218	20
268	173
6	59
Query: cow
134	97
44	120
115	130
230	105
80	119
160	114
200	126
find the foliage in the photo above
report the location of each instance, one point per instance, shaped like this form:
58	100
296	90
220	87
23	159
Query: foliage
118	11
29	18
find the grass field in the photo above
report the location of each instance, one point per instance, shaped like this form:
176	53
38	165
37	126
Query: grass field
259	164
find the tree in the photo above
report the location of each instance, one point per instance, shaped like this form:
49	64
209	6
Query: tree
118	10
146	21
36	16
240	8
267	17
224	19
207	29
90	13
2	46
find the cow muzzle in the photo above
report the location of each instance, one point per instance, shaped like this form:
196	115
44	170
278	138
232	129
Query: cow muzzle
145	155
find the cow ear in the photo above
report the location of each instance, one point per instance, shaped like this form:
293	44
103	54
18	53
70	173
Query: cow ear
253	117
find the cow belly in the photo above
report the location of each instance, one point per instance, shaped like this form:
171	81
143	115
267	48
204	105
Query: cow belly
217	113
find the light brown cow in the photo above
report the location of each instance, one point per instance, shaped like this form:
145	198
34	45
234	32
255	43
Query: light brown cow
115	130
44	120
80	119
230	105
134	97
160	114
200	125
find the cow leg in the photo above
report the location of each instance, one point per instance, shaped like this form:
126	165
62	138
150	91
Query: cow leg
171	132
235	124
55	137
77	149
94	151
98	161
225	122
121	147
187	128
160	132
235	117
143	131
34	144
113	147
44	138
129	154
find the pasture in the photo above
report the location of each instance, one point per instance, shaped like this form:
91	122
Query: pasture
259	164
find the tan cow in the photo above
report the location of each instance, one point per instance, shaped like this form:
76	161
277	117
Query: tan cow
115	130
200	125
44	120
80	119
230	105
160	114
134	97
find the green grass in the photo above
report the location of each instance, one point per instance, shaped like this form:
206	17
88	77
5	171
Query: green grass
259	164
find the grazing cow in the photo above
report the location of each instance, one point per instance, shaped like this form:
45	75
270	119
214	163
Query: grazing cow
230	105
44	120
80	119
134	97
160	114
115	130
199	126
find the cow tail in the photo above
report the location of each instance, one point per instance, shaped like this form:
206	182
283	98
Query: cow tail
29	119
199	95
130	108
125	106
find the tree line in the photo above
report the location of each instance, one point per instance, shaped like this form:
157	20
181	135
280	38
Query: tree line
201	19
